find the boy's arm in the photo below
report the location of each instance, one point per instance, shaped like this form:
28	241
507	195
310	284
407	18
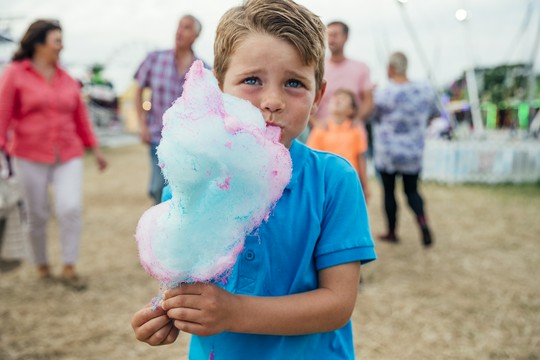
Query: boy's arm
206	309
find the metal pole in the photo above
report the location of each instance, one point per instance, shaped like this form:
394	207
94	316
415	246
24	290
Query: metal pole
425	63
470	76
531	88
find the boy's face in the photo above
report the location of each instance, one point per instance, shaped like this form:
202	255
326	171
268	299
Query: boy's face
341	104
269	73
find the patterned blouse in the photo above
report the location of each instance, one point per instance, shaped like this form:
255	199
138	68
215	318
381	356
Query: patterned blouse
400	118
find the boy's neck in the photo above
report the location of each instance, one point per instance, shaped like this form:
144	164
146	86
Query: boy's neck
339	119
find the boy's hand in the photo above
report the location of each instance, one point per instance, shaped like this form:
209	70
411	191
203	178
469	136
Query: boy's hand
199	308
154	327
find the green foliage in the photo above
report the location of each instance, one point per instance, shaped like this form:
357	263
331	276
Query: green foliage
504	85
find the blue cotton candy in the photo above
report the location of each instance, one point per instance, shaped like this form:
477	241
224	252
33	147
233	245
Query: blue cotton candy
226	170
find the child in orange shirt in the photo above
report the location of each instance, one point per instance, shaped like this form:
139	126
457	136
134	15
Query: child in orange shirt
343	137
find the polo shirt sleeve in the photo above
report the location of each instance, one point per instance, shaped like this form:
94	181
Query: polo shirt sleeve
345	234
166	194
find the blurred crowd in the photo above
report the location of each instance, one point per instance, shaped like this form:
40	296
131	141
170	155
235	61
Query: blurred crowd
45	127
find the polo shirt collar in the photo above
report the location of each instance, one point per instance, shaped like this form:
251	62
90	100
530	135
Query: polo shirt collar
299	153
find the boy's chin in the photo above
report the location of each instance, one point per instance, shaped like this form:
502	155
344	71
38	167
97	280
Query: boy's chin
286	142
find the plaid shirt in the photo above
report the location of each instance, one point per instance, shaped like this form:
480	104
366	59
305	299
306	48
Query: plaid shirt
158	72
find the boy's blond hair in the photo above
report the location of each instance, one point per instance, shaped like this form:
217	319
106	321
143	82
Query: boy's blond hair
283	19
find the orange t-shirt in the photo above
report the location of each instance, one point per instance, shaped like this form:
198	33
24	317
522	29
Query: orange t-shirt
346	140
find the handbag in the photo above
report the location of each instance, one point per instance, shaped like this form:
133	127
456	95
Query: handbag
14	239
10	192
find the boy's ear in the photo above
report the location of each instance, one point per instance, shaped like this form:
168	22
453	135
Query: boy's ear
318	96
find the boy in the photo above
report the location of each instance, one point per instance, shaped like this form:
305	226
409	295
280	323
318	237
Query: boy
298	274
340	136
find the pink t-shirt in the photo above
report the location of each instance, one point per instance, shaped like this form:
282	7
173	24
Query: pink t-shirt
349	74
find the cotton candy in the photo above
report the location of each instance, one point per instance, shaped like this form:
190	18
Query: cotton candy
226	170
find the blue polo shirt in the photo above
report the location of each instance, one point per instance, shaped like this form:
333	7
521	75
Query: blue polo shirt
320	221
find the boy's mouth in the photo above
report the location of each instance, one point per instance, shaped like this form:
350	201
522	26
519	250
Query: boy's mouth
273	132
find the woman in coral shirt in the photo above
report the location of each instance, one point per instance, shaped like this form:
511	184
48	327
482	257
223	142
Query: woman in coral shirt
44	126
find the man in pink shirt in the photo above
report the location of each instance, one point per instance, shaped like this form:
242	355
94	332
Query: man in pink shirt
341	72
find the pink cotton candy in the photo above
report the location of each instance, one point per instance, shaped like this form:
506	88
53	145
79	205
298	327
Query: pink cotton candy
226	170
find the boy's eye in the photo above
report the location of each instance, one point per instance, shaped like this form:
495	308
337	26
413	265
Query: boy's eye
294	83
251	81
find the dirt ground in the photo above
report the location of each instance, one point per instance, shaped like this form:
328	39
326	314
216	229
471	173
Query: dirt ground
474	295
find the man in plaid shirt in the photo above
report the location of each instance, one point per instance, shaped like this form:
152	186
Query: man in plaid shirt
163	73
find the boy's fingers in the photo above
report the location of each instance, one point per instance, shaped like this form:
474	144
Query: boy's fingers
173	334
146	314
149	328
184	314
184	289
192	328
165	335
182	301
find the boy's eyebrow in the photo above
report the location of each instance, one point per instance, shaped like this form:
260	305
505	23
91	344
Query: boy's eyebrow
289	74
299	76
250	71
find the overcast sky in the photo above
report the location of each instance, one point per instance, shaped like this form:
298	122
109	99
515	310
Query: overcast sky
118	33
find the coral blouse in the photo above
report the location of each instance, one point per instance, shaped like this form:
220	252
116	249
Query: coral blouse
42	121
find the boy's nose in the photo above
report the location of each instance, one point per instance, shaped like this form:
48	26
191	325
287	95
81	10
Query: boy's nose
272	102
